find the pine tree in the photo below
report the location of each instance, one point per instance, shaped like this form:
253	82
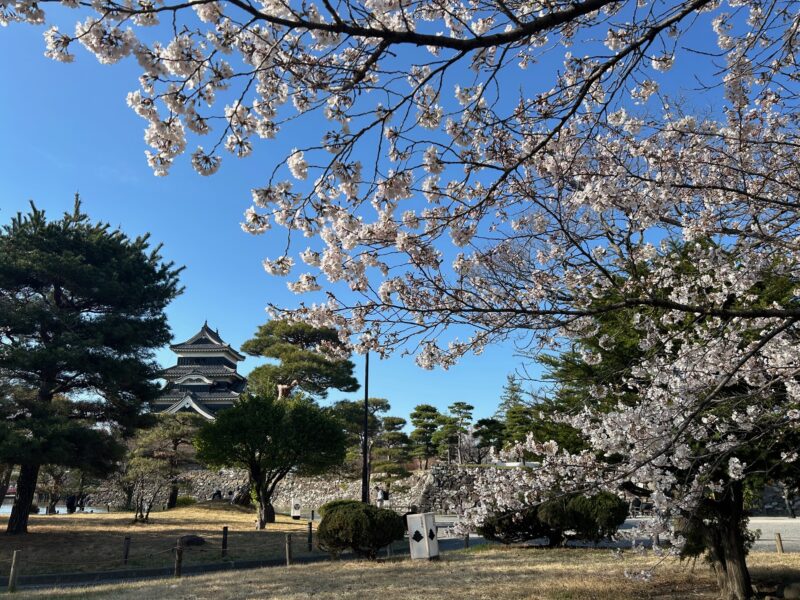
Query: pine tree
81	311
303	364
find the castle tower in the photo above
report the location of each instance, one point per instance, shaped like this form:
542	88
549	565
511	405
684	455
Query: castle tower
205	379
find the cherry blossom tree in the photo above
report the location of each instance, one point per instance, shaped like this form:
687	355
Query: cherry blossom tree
453	201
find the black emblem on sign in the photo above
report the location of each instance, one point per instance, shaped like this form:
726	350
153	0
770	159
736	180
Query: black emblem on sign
417	536
296	506
431	534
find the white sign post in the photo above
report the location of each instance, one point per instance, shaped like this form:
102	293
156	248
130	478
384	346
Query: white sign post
422	536
295	509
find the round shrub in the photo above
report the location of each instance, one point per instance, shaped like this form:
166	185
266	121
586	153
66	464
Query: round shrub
335	504
362	528
609	511
559	519
513	527
184	501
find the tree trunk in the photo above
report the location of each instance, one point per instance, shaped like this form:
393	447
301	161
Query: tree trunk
26	489
5	479
266	512
51	504
725	543
172	500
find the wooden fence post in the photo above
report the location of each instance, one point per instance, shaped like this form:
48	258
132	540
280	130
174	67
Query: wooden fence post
310	537
778	543
178	558
126	549
225	541
312	514
466	540
288	549
12	577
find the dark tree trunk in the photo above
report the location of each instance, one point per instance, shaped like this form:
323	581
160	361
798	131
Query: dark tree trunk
26	489
266	512
172	500
5	480
725	543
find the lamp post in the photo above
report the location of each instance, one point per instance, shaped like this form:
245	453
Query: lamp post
364	445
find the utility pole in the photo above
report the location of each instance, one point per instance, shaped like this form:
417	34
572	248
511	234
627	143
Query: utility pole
364	444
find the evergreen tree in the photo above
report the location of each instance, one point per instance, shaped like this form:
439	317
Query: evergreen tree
512	396
306	360
351	414
392	451
425	419
171	441
81	311
490	433
271	437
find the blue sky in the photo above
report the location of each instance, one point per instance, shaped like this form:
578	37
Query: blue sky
67	129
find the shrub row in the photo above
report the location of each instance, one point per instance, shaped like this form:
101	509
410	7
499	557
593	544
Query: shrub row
569	517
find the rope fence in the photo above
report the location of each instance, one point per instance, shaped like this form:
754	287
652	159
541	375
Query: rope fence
237	545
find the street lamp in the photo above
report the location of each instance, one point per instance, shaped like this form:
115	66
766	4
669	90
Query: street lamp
364	445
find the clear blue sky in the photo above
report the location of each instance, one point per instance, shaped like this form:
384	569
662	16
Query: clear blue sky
67	129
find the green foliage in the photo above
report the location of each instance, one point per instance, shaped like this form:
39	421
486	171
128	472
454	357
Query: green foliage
81	311
334	504
490	433
425	419
185	501
513	527
302	363
270	438
587	517
363	528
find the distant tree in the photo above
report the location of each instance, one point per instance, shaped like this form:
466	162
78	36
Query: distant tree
351	415
147	478
425	419
171	440
392	452
462	413
271	437
513	395
312	359
81	312
490	433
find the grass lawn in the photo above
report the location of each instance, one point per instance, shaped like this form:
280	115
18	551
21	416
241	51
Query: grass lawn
494	573
94	542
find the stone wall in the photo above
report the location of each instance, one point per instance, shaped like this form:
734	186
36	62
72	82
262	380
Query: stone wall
434	490
442	489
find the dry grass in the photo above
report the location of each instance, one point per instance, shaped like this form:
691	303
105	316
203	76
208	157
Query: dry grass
494	573
94	542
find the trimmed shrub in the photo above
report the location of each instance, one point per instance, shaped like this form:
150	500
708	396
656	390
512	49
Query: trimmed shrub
584	517
335	504
184	501
513	527
609	511
362	528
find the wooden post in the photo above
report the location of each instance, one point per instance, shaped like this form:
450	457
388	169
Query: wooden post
310	537
312	514
126	549
12	577
225	541
288	549
178	558
778	543
466	540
